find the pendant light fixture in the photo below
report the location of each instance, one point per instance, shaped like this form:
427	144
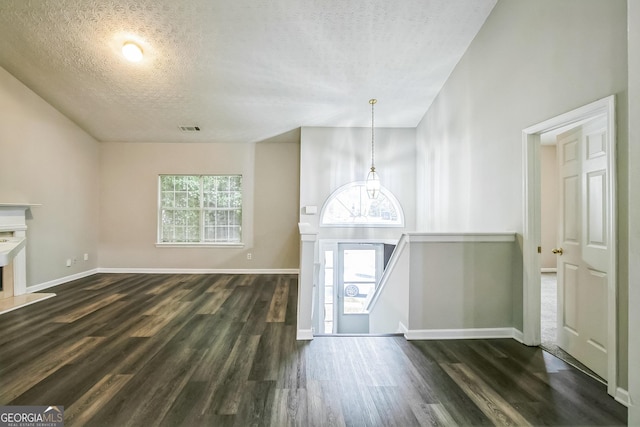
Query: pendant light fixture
373	180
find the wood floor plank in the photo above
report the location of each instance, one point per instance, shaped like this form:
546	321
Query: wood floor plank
498	410
219	283
221	349
289	408
151	325
397	410
278	307
256	408
16	382
324	404
227	388
86	406
215	301
431	414
169	303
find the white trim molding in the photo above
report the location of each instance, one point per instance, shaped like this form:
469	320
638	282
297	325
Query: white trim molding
198	270
304	334
622	396
463	334
402	329
60	281
499	236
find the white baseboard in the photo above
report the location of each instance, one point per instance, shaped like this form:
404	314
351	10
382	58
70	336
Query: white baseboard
622	396
304	334
60	281
458	334
198	271
548	270
402	329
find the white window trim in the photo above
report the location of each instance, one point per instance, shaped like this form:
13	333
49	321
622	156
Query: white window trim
199	245
160	244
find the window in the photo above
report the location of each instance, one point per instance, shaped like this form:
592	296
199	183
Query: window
200	209
350	206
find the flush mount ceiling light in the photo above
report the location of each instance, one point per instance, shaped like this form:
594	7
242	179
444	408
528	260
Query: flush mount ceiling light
132	52
373	180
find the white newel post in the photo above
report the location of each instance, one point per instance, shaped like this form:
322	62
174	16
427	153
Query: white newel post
308	238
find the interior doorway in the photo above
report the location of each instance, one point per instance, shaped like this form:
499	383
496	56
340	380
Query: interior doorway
599	227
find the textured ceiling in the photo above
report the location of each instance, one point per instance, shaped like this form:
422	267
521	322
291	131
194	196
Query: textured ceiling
242	70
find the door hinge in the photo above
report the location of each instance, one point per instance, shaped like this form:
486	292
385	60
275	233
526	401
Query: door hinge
539	249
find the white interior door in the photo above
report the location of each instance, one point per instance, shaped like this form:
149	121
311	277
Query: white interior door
583	244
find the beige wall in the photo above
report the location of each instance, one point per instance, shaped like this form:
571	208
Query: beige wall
128	204
463	285
549	208
531	61
47	159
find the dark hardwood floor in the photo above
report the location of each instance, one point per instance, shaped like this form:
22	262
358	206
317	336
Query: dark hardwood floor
217	350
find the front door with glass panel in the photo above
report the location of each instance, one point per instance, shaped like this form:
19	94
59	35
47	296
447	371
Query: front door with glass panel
359	269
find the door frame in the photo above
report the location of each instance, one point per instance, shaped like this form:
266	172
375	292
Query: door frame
338	290
532	227
318	301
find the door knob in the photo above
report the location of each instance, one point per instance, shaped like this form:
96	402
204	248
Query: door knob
558	251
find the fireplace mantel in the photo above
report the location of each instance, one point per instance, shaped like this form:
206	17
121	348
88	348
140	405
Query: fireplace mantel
13	216
13	260
9	248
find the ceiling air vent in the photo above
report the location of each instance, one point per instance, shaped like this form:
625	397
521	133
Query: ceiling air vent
189	128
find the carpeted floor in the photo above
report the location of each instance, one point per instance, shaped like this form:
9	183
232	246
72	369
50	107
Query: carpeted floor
548	318
549	323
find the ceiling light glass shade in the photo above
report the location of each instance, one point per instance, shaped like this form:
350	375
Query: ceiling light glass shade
132	52
373	184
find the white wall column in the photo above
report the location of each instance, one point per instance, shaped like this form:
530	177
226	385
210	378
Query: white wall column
308	240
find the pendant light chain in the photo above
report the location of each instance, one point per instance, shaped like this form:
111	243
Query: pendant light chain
372	102
372	183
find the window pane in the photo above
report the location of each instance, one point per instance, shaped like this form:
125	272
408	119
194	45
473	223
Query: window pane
167	217
223	200
193	234
236	200
209	200
221	234
188	200
166	183
221	217
223	183
234	234
235	183
235	217
350	205
167	199
181	199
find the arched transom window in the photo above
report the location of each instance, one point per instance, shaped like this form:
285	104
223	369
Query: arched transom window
350	206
